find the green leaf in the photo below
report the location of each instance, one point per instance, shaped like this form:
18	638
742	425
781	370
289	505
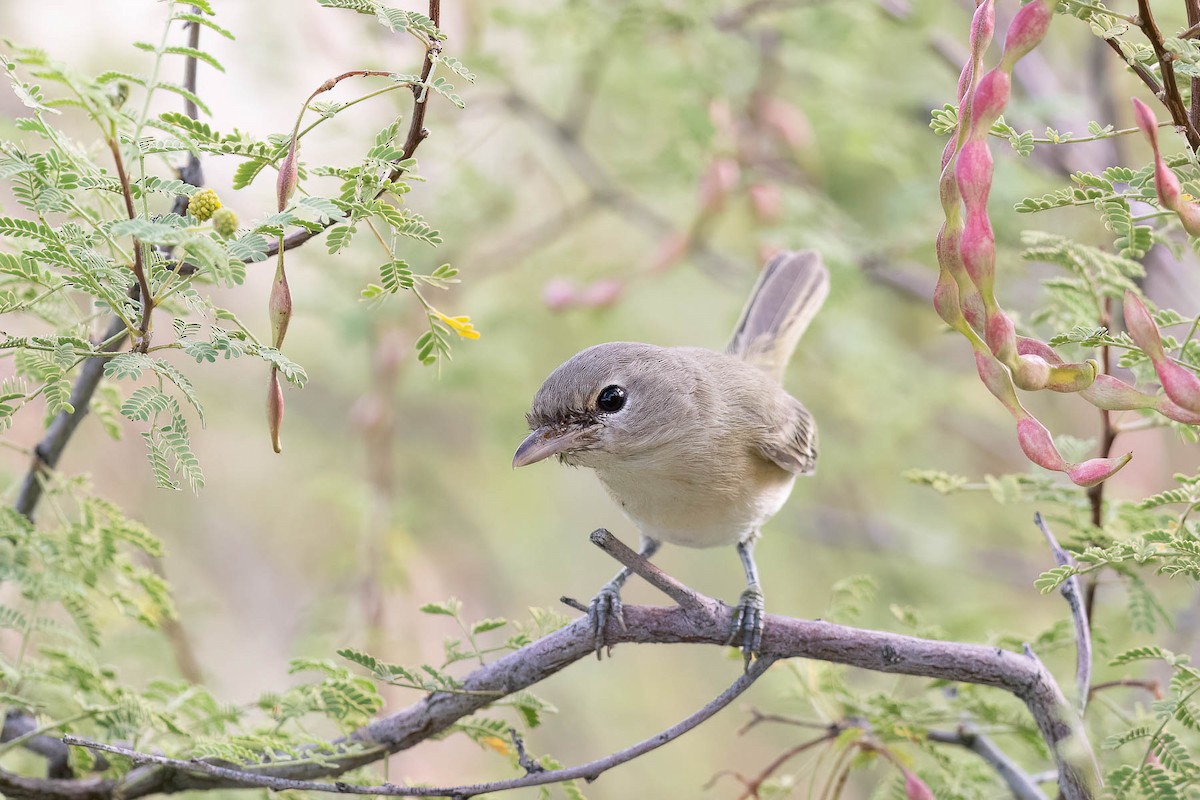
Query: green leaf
450	608
485	625
145	403
1051	579
1150	653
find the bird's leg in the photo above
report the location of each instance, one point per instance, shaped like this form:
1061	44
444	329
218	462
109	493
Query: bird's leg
607	602
748	616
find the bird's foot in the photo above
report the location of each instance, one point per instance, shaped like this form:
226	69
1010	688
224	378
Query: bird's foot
747	628
605	605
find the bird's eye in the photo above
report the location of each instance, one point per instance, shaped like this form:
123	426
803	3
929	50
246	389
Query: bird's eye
611	399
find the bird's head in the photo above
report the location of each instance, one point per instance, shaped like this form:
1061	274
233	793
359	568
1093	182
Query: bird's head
611	400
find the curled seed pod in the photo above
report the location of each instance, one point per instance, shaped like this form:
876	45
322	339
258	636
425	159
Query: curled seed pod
1178	413
1039	447
991	96
1032	373
1028	28
1181	385
998	380
275	409
915	788
1096	470
1113	394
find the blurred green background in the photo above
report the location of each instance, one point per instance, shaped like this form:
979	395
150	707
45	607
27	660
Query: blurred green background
592	140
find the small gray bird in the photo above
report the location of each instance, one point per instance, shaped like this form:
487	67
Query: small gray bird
699	448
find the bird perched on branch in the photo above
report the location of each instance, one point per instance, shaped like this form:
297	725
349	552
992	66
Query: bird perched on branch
699	448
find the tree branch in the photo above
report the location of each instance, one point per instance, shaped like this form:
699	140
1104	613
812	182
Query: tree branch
1018	781
707	622
589	771
1170	88
1074	598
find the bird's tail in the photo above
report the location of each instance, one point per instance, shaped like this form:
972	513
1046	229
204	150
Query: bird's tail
789	293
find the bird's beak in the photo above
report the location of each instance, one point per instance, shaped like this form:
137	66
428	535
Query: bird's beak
546	441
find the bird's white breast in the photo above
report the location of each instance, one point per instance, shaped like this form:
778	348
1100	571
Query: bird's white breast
672	500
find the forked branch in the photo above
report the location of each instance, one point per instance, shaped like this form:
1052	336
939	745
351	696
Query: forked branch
703	621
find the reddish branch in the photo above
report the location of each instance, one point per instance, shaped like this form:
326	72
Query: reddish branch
144	295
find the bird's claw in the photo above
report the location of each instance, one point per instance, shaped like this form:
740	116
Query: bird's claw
747	627
605	605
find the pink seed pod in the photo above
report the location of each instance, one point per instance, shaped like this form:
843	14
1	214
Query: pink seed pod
280	305
602	293
289	172
950	261
1028	28
973	173
1113	394
946	302
560	294
1181	385
915	788
998	380
1096	470
983	26
717	182
787	121
1001	336
1038	446
671	250
1170	410
1146	121
991	95
275	409
977	248
1032	373
1166	184
766	199
1036	347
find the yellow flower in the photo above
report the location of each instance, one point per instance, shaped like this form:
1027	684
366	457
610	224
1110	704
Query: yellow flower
495	742
460	325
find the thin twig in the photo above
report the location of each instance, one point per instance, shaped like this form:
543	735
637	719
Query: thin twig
533	777
412	140
684	595
145	297
1148	684
1020	783
1083	634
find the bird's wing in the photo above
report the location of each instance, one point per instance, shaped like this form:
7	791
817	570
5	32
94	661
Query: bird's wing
792	445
